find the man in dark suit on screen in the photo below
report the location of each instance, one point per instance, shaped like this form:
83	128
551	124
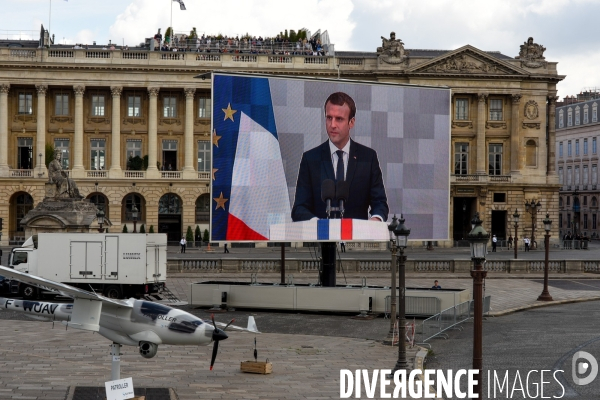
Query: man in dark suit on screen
359	167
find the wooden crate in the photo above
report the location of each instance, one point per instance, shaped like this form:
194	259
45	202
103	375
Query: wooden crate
256	367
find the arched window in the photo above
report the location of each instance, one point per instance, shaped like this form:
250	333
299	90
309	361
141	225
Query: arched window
100	201
23	203
531	153
128	203
169	204
203	208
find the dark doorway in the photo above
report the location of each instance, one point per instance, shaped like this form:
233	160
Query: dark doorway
464	208
169	217
170	160
499	224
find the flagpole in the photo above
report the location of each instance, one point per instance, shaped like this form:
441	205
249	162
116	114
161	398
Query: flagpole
171	38
49	22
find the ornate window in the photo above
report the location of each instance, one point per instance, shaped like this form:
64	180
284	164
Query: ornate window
62	146
204	110
169	107
594	148
585	147
169	204
203	208
585	113
595	112
570	117
61	106
561	119
577	181
569	178
461	158
577	115
26	103
24	153
560	149
594	174
531	153
495	159
495	109
586	175
569	149
130	200
561	177
461	109
134	106
98	105
204	156
134	148
577	147
23	204
100	201
97	154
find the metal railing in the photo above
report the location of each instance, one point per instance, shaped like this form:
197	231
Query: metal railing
416	305
450	318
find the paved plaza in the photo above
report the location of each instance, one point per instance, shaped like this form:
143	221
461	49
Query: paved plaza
307	350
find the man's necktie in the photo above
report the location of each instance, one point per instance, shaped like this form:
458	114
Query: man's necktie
339	174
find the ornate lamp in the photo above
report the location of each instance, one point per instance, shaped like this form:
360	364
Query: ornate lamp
545	296
134	216
401	232
516	242
478	238
100	218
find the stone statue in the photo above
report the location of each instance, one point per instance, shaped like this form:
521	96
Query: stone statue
65	186
532	54
392	50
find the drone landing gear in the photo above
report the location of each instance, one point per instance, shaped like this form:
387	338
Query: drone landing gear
115	370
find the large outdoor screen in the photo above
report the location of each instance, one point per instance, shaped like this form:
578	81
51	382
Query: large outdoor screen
274	169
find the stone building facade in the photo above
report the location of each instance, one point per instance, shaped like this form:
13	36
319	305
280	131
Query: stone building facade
99	107
577	134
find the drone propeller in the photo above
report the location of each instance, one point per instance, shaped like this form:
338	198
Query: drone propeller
217	336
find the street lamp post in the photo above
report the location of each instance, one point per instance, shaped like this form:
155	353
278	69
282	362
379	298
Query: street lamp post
134	216
401	232
478	239
533	208
100	218
516	242
393	266
545	296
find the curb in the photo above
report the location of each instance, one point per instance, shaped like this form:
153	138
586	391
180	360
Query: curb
542	304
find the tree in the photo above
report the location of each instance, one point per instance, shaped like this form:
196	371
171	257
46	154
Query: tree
293	36
189	235
145	162
142	229
197	232
168	35
151	230
135	163
206	236
49	154
125	229
193	33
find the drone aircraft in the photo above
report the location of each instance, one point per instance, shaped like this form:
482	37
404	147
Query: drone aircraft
131	322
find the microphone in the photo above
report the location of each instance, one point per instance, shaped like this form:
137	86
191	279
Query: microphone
327	194
342	191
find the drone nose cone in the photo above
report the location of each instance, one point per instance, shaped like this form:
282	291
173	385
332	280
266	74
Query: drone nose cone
219	334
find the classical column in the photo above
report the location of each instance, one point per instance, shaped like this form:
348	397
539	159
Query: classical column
115	147
481	118
78	169
41	132
515	169
552	136
4	88
152	171
188	169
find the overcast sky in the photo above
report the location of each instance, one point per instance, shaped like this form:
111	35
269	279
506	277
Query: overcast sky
567	28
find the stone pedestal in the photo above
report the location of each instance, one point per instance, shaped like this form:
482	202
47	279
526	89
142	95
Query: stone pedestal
61	215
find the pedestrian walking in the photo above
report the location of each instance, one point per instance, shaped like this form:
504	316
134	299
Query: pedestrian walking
494	243
183	242
225	249
510	242
526	241
343	247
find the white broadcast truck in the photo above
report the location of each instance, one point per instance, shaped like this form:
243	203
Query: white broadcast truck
118	265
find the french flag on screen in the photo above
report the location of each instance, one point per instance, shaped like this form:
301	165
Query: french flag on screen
249	186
